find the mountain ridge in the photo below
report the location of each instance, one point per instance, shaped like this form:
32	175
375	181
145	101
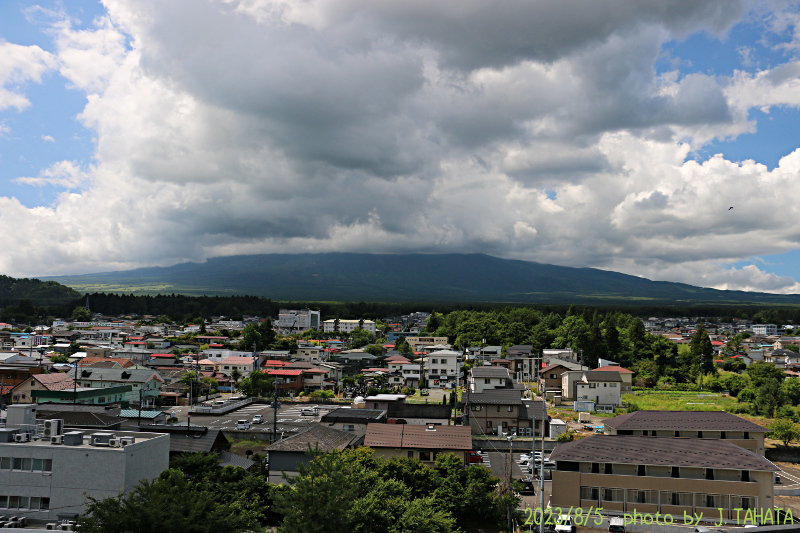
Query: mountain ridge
341	276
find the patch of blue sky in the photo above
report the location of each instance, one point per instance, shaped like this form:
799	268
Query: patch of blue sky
777	135
48	130
784	264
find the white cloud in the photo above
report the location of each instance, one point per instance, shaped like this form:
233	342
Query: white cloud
48	138
20	64
253	126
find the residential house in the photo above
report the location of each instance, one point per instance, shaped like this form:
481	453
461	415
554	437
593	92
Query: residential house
418	342
382	401
526	364
782	358
244	364
670	476
419	413
497	411
21	393
482	378
423	442
602	388
624	373
287	380
190	439
550	376
309	353
145	383
484	354
287	454
353	420
690	424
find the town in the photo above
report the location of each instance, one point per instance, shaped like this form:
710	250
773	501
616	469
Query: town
657	418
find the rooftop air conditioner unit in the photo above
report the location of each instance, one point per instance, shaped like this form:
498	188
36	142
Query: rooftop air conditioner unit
22	437
114	443
53	427
127	440
57	439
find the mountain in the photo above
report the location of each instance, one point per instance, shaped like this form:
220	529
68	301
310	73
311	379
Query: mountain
40	293
408	277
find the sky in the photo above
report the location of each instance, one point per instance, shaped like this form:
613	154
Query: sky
658	138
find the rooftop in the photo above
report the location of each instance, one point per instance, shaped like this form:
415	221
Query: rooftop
418	436
699	453
325	438
683	420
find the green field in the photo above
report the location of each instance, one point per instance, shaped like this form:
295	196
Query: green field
680	401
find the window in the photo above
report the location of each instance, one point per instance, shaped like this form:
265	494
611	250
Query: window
745	475
487	381
681	499
641	471
5	463
348	427
676	471
677	433
723	435
510	408
410	454
3	502
592	385
595	468
612	384
489	424
609	470
710	473
642	496
699	434
590	493
613	495
505	424
746	434
424	456
740	502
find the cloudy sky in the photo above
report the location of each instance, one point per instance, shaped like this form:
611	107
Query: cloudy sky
607	134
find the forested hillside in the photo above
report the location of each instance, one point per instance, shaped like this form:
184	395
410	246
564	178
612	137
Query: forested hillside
39	293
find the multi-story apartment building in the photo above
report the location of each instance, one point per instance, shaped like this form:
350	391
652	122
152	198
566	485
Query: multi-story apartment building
765	330
348	326
442	368
416	343
296	320
670	476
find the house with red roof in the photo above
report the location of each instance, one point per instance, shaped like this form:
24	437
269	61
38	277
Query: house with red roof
288	380
624	373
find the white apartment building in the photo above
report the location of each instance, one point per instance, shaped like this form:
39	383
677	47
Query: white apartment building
416	342
296	320
765	329
347	326
218	354
43	475
443	368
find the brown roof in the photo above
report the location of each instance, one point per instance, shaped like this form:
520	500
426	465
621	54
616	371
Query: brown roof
327	439
53	382
683	420
699	453
125	363
418	436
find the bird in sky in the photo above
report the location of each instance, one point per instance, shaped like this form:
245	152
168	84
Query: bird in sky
730	208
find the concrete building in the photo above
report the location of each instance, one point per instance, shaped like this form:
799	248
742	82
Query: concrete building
765	330
443	368
418	342
670	476
42	477
690	424
347	326
296	320
602	388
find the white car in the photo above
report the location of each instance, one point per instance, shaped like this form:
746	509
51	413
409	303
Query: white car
564	523
258	419
242	425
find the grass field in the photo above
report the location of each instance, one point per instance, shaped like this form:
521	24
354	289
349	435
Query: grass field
680	401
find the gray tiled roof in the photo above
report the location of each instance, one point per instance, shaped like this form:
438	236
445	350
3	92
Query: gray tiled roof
683	420
231	459
328	439
356	416
699	453
495	396
603	375
489	372
195	439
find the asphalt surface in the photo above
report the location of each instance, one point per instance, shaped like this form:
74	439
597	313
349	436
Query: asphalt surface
289	417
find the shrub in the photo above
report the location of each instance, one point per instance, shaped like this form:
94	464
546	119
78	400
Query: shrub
788	412
565	437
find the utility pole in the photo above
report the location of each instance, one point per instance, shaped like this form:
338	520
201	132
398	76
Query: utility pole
541	464
508	477
275	411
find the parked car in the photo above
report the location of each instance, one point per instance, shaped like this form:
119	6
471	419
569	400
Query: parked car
474	457
616	525
564	524
306	412
528	485
424	392
258	419
242	425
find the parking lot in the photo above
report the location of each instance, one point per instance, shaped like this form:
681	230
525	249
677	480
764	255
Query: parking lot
290	417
